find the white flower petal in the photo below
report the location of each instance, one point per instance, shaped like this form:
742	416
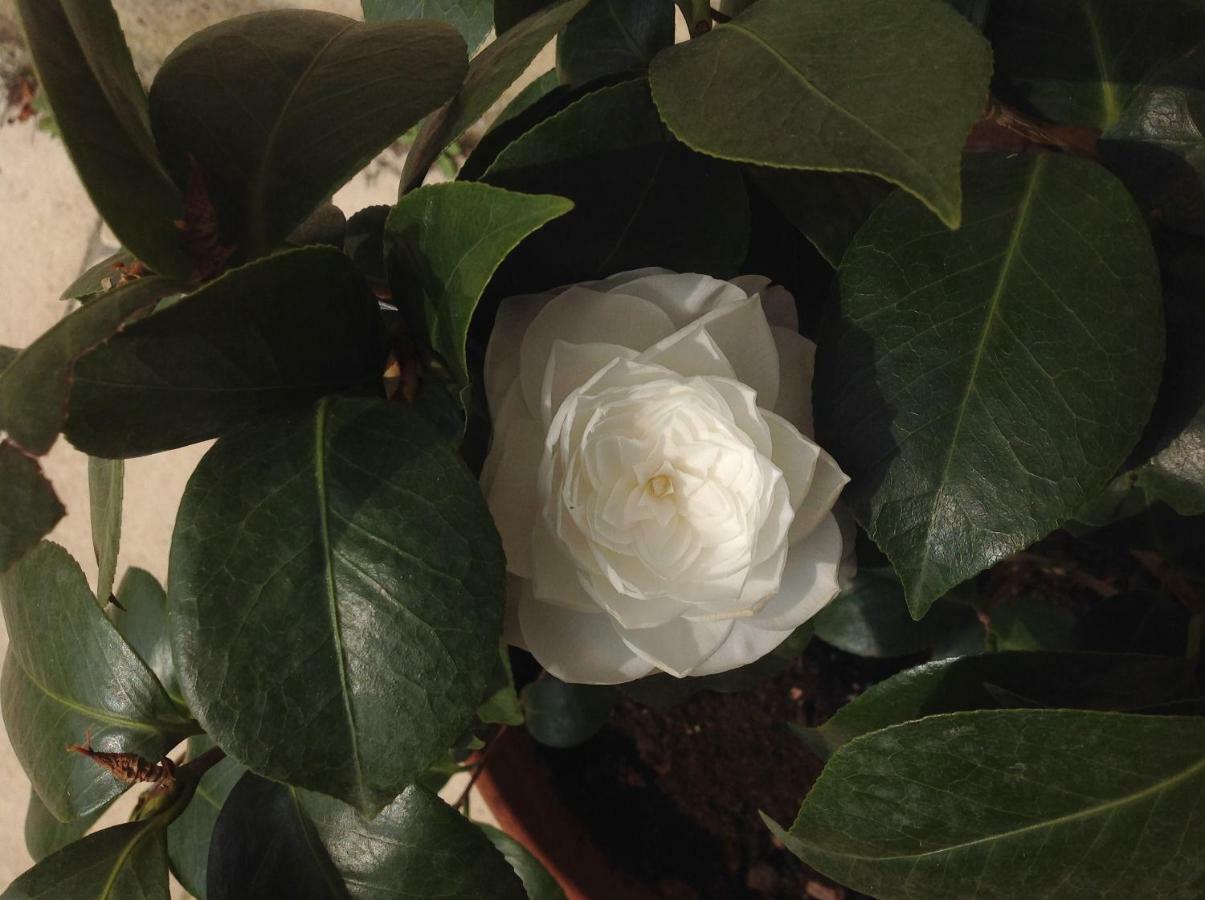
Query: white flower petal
794	454
514	316
742	333
512	632
745	645
511	492
569	367
582	316
827	483
554	576
776	300
797	363
678	647
580	648
809	580
689	351
633	612
683	296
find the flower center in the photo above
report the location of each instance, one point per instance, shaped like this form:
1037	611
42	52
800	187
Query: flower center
660	485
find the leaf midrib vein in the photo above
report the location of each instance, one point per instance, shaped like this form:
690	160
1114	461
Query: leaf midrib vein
331	591
917	583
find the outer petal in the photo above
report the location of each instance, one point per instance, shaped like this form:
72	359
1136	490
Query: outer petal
633	612
741	332
554	577
621	278
745	645
582	316
683	296
776	300
827	483
809	580
797	364
795	455
515	314
580	648
678	647
511	493
689	351
569	367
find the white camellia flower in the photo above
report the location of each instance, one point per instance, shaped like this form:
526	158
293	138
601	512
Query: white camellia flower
661	502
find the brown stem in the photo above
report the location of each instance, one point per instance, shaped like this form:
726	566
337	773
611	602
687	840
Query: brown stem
1003	128
206	761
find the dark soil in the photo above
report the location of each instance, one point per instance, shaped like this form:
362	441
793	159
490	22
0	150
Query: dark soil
672	795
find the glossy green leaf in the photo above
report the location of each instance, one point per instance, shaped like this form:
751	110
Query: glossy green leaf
69	675
490	73
35	387
417	848
472	18
29	507
1033	623
1048	803
280	108
100	108
335	597
827	207
640	197
610	37
536	881
106	484
1080	61
443	244
188	835
565	715
870	618
272	335
264	845
100	277
834	85
44	834
140	615
536	89
125	862
980	385
502	706
1099	681
1157	144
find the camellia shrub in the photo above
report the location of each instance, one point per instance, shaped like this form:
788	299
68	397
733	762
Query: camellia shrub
878	322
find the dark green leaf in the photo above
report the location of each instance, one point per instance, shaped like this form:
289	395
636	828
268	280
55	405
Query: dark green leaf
1032	623
125	862
44	834
100	108
280	108
188	836
1157	144
106	484
641	198
101	277
1080	62
502	706
564	715
142	620
980	385
34	389
536	880
472	18
264	845
834	85
870	618
609	37
29	507
364	242
1100	681
490	73
7	355
443	244
272	335
826	207
335	597
69	675
325	225
509	13
417	848
538	88
1046	804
